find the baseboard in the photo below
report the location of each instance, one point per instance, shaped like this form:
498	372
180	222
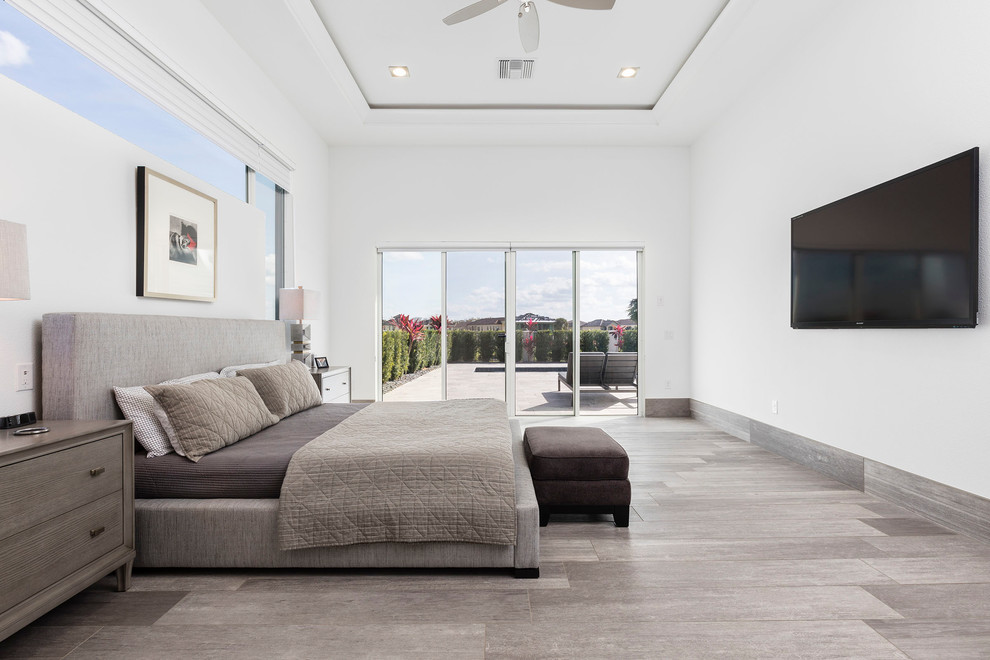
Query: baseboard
668	407
956	509
950	507
723	420
837	463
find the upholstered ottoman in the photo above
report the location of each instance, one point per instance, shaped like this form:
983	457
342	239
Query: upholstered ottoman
578	470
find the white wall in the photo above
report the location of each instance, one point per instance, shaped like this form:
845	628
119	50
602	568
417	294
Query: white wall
382	195
880	89
205	51
72	184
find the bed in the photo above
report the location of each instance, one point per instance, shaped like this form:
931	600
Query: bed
84	355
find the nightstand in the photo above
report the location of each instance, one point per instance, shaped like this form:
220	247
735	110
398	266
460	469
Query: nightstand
67	498
335	383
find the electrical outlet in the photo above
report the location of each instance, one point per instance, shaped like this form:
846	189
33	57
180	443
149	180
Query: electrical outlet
25	377
668	385
668	334
659	301
773	406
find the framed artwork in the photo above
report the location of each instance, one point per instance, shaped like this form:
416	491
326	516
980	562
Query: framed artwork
176	239
321	363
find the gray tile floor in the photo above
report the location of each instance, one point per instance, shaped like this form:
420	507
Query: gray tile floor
731	552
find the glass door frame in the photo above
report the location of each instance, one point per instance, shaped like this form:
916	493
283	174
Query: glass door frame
510	250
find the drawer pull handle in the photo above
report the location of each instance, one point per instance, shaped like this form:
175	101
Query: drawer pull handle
95	472
93	533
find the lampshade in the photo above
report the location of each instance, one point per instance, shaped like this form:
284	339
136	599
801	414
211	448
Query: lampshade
298	304
14	284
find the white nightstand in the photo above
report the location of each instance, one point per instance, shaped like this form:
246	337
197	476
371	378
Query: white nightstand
335	383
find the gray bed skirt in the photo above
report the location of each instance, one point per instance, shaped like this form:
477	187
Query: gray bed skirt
84	355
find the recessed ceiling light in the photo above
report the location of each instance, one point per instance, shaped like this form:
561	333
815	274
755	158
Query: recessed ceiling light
628	71
398	71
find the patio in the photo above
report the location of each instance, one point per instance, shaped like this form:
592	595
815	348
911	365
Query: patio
536	389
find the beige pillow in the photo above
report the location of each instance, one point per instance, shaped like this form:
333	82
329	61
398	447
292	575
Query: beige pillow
286	389
211	414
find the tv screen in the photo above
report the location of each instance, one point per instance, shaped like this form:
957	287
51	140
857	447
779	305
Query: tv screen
902	254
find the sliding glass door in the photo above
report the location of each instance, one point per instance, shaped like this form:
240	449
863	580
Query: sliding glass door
609	332
544	331
410	344
503	324
475	288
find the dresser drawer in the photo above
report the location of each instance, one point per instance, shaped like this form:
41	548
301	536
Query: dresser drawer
45	553
337	388
38	489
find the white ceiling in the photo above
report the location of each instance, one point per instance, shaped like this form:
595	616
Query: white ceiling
576	65
330	59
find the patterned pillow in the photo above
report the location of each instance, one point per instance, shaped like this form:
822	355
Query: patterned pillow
286	388
139	407
212	414
230	372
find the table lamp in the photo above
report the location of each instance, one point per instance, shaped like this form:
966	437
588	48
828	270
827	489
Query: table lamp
298	304
15	285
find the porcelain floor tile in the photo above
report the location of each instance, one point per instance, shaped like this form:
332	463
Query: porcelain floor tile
936	601
349	607
689	641
714	604
938	640
716	574
266	642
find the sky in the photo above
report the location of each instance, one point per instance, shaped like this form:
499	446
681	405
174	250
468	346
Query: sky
34	57
476	284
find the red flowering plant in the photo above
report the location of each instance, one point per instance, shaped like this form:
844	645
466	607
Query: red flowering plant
619	335
529	341
410	326
437	322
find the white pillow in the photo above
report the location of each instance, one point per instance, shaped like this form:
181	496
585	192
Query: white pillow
139	407
230	372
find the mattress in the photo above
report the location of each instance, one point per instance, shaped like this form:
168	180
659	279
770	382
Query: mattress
250	469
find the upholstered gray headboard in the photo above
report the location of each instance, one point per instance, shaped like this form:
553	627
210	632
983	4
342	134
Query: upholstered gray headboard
85	355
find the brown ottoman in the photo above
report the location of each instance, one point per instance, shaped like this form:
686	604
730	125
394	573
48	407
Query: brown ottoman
578	470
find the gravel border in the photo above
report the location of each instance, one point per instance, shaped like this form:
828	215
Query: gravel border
406	378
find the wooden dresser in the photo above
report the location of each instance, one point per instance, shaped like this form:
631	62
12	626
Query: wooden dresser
66	515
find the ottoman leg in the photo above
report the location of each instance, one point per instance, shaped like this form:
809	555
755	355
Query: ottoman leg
544	516
621	516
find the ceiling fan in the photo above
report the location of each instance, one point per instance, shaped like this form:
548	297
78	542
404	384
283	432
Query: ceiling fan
529	21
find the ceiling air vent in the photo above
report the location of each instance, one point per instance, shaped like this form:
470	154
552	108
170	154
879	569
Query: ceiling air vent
515	69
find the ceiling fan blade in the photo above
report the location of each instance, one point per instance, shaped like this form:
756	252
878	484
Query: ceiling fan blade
477	9
586	4
529	28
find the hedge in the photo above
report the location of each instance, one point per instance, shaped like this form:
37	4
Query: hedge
543	341
630	341
470	346
486	346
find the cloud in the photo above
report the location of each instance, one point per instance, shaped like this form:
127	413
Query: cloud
13	51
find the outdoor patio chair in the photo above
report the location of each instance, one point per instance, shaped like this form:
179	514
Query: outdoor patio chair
619	370
591	371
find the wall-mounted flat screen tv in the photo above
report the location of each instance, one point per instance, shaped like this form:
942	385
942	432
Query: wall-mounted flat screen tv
902	254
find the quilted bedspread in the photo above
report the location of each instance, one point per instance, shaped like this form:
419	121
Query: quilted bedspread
404	472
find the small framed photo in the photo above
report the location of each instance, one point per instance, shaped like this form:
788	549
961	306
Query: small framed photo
321	363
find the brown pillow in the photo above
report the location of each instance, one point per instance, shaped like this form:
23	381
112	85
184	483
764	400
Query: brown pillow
285	388
210	414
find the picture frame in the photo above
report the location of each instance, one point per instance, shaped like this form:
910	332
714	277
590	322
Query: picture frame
176	239
321	363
